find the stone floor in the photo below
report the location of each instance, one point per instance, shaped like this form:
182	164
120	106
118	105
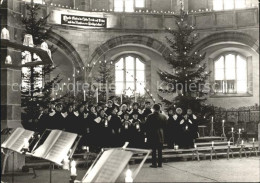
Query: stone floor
222	170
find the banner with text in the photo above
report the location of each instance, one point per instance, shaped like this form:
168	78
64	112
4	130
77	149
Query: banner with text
83	21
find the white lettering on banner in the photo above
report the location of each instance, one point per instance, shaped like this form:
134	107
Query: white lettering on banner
83	21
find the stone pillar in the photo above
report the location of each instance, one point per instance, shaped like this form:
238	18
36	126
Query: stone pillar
84	5
11	76
259	135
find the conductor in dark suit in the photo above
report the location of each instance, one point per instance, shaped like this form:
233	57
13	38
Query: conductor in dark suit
154	126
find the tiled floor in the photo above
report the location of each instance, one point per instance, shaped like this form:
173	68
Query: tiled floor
233	170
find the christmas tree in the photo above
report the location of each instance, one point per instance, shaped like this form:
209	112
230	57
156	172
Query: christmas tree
104	79
36	88
188	75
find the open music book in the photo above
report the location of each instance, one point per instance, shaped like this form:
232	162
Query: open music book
108	167
56	146
15	142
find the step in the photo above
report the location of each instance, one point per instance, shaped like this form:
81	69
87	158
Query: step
210	143
187	155
208	139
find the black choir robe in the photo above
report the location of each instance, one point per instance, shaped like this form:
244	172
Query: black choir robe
186	140
171	131
57	121
126	135
137	133
115	124
43	121
195	128
177	137
71	123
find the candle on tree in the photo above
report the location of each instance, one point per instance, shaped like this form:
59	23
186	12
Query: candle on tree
253	140
121	98
87	149
232	129
228	143
239	130
195	146
212	118
145	140
73	170
97	96
212	143
137	126
106	124
242	142
223	122
126	126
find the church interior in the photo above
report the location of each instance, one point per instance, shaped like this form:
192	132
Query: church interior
91	89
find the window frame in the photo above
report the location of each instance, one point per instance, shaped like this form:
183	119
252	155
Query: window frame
223	6
124	7
135	56
236	54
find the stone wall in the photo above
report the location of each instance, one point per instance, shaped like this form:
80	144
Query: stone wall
100	42
82	46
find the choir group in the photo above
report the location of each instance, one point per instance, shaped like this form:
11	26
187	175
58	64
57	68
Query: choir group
111	125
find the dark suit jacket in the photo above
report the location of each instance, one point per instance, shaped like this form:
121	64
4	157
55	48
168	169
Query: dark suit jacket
154	126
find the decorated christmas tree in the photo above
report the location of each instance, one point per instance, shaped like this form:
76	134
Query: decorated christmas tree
186	79
37	86
104	79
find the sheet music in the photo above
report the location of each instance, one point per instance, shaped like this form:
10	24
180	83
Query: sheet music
43	150
12	138
16	140
19	143
92	172
109	166
61	147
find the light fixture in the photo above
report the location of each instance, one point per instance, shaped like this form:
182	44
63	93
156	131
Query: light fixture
5	34
8	60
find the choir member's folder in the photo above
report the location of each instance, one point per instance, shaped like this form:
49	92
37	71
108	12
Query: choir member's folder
15	141
56	146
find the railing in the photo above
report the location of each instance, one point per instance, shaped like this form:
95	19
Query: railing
159	21
238	115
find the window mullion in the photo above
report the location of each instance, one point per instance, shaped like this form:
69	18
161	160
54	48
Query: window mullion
224	81
135	79
235	87
124	82
124	1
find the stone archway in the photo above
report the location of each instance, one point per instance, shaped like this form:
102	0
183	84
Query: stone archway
228	36
147	41
68	49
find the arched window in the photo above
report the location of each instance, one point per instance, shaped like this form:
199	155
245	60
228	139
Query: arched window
228	4
128	5
130	75
230	74
35	1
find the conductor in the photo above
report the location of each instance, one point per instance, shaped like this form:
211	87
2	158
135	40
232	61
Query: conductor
154	124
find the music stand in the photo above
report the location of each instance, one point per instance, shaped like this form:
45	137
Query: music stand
15	143
112	164
48	147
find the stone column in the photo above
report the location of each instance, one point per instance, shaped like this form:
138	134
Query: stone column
258	135
11	76
84	5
